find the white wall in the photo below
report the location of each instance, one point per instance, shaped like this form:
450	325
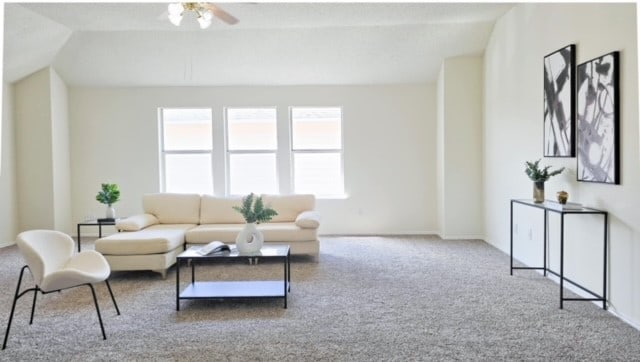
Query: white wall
60	153
460	91
389	147
513	134
8	210
440	146
33	151
42	152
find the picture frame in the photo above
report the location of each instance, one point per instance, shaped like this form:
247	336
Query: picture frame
598	120
559	102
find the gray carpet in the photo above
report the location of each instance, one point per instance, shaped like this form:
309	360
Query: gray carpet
369	298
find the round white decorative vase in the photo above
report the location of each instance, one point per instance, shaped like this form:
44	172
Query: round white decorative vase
111	212
249	240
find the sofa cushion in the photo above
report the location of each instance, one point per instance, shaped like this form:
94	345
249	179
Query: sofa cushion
286	231
173	208
273	232
308	220
219	210
155	239
136	222
209	232
289	207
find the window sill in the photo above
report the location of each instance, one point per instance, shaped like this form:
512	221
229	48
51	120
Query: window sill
333	197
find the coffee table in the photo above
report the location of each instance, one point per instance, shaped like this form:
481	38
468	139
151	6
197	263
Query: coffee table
234	289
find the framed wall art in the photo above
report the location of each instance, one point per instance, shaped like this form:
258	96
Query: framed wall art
559	102
598	120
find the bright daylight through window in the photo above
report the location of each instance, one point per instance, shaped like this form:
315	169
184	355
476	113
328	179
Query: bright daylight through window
252	142
186	148
316	145
259	155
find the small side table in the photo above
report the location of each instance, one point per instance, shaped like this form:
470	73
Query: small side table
99	223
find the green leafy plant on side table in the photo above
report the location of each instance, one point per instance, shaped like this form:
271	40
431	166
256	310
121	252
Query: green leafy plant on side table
109	195
250	239
539	175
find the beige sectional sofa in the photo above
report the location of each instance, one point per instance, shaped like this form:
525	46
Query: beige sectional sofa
151	241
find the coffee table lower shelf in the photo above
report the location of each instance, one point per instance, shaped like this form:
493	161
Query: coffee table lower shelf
236	289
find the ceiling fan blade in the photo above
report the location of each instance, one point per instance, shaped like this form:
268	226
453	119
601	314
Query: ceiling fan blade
221	14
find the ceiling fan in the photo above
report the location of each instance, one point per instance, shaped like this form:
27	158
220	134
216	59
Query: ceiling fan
204	11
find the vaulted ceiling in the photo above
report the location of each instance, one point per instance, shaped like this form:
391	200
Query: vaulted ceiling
133	44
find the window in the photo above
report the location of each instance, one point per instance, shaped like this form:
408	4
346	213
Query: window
252	143
186	147
254	151
316	147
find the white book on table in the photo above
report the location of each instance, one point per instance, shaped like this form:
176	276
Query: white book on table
564	207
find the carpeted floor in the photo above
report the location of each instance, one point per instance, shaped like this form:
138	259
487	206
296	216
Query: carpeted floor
368	299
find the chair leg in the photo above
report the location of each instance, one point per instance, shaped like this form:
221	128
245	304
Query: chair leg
13	308
33	306
95	300
112	298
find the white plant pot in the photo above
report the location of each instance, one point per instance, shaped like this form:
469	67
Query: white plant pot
111	213
249	240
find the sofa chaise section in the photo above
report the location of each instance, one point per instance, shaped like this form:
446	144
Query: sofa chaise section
154	248
151	241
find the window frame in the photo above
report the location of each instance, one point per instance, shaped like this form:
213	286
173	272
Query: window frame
220	154
164	152
228	152
293	152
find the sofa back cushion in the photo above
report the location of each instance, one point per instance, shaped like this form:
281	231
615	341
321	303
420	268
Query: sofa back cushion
218	210
173	208
289	207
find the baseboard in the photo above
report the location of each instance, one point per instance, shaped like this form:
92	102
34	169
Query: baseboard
612	310
399	233
413	233
461	237
5	244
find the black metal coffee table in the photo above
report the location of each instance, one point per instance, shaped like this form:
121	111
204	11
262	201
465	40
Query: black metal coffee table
234	289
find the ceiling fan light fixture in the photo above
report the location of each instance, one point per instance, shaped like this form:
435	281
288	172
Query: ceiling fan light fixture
204	20
175	13
205	13
175	19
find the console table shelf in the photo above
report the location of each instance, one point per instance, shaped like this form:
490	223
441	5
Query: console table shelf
549	206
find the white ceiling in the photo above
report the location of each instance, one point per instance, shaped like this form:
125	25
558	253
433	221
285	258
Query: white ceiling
133	44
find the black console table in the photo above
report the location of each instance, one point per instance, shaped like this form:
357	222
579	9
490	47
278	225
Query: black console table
549	206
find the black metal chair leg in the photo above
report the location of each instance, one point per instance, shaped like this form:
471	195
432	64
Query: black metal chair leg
112	297
13	308
33	306
95	300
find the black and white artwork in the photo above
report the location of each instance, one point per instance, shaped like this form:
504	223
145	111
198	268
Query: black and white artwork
597	133
559	102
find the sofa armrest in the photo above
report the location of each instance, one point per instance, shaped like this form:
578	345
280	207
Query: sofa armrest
308	220
136	222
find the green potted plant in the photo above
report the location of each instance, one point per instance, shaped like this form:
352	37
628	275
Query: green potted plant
250	239
109	195
539	175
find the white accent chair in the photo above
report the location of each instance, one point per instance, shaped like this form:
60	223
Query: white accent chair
50	257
